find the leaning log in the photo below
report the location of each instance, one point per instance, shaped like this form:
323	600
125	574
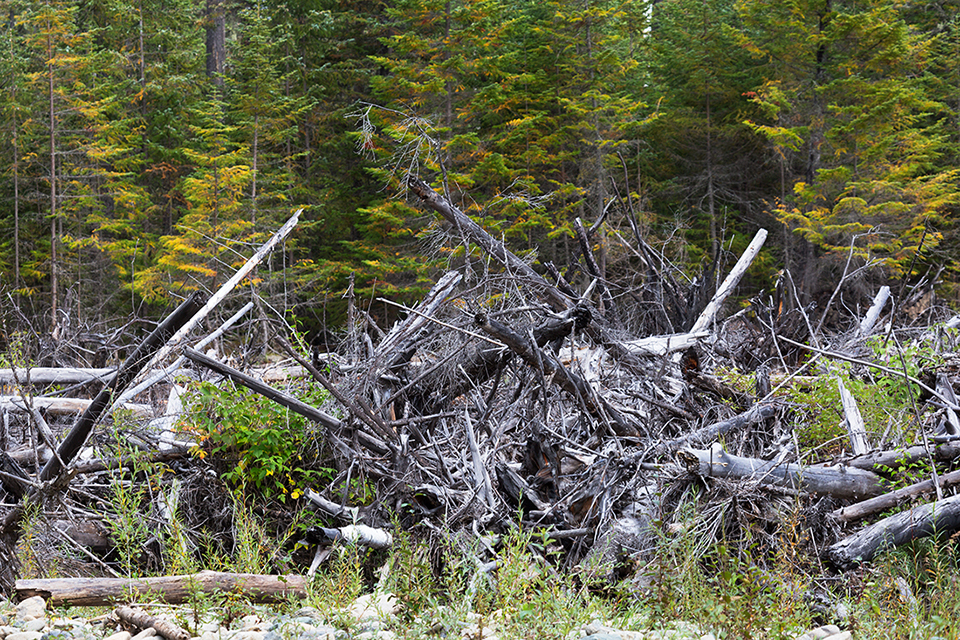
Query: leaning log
709	314
97	592
925	520
125	374
837	481
476	234
283	399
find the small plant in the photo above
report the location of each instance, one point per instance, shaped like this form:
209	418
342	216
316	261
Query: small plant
257	443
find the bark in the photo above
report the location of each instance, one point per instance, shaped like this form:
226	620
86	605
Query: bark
839	481
98	592
925	520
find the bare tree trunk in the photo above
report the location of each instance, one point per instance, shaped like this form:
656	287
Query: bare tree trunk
216	29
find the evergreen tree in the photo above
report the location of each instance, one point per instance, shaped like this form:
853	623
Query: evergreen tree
843	97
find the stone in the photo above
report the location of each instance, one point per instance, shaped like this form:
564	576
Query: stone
247	635
374	606
24	635
6	630
376	635
149	632
251	622
843	635
37	624
31	609
603	635
324	632
120	635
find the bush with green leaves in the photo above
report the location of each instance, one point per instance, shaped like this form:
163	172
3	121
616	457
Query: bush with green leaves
254	442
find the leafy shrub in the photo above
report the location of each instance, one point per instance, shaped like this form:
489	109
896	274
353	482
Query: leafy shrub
256	442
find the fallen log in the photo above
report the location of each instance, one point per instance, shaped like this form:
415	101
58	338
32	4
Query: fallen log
866	508
66	406
97	592
892	459
55	375
838	481
918	522
143	620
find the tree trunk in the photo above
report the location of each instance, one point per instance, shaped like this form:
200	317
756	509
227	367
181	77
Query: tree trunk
98	592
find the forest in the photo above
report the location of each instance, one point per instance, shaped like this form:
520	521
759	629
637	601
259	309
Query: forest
149	145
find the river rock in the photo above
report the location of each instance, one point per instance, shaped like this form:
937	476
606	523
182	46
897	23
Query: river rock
31	609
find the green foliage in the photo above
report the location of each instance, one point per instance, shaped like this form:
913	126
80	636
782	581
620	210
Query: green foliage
885	399
256	443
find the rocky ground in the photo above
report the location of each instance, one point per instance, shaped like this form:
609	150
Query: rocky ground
370	617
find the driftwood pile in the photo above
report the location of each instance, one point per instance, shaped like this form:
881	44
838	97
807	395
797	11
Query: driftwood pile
508	399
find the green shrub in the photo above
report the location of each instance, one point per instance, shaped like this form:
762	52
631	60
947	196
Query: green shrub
255	442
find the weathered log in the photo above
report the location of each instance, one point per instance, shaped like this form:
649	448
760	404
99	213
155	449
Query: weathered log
756	414
892	459
55	375
663	345
839	481
567	380
918	522
866	508
65	406
143	620
873	313
96	592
